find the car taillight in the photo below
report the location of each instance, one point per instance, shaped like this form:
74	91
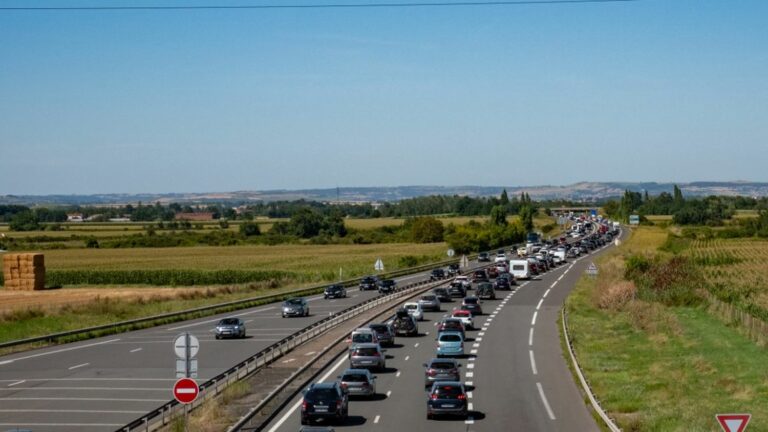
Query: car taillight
462	397
376	354
343	385
338	404
305	405
431	372
365	384
434	396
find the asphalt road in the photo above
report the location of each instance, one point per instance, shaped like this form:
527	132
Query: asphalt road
104	383
514	367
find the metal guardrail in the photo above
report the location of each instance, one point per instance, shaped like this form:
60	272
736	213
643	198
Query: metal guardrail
167	318
214	386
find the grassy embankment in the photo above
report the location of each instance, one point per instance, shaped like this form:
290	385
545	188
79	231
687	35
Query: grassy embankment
662	368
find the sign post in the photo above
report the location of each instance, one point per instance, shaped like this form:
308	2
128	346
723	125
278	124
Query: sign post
592	270
464	262
733	422
379	266
186	390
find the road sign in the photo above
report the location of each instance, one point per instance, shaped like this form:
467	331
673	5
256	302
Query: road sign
379	266
733	422
592	269
185	390
464	262
617	242
451	252
634	220
186	369
184	341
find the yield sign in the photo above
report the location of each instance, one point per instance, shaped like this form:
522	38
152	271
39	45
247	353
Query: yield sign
185	390
733	422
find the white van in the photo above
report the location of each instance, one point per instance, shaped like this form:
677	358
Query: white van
559	255
520	269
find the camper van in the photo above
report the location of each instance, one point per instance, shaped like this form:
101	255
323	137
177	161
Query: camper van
520	269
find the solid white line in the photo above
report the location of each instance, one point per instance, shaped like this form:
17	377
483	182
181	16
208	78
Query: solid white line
561	276
533	321
102	425
58	351
69	411
296	406
538	306
136	350
87	388
553	285
17	383
546	293
533	363
79	366
376	419
95	379
546	404
85	399
530	337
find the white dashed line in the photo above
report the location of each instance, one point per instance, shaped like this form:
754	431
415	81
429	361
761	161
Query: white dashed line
533	321
416	345
376	419
57	351
481	334
476	345
545	294
310	353
538	306
470	374
479	339
470	406
136	350
397	374
389	393
474	351
470	395
469	383
17	383
79	366
530	337
470	366
533	363
289	360
407	357
546	404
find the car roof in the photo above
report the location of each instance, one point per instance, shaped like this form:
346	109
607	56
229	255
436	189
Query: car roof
362	330
323	385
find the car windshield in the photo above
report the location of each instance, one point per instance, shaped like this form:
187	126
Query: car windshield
411	306
293	302
228	321
354	378
428	298
450	338
447	392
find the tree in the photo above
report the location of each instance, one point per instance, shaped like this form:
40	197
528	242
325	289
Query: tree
249	229
426	230
526	217
306	223
24	221
504	199
499	215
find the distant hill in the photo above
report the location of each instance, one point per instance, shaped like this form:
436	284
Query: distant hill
584	191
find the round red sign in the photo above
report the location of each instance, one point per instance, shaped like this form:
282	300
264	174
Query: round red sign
185	390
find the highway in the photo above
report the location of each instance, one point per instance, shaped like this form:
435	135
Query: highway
102	384
514	367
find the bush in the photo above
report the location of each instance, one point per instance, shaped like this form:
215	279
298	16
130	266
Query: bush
249	229
161	277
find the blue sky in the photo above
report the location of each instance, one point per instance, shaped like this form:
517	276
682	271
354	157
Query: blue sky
222	100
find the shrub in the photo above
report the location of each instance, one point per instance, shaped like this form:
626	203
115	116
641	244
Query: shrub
161	277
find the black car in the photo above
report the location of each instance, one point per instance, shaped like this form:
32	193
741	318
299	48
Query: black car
485	291
437	274
442	294
447	398
324	401
502	283
456	289
387	286
479	276
472	304
384	332
335	291
454	270
405	324
369	283
483	257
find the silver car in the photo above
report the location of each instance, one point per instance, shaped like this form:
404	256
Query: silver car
295	307
430	302
358	382
441	370
367	356
230	327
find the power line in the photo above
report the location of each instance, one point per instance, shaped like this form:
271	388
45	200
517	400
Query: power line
315	6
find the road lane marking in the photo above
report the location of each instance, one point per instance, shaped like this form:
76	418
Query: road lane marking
416	345
533	363
533	321
165	389
17	383
561	276
389	393
530	337
479	339
79	366
470	395
470	406
296	406
407	357
218	319
310	353
58	351
546	404
469	383
538	306
476	345
474	351
85	399
545	294
376	419
470	374
553	285
69	411
470	365
136	350
109	425
481	333
289	360
397	375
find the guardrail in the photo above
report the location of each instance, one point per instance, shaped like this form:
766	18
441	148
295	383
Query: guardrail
214	386
167	318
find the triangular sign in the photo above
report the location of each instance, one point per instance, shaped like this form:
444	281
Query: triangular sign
733	422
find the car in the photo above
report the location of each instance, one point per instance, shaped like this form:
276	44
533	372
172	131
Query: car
465	316
492	272
414	309
387	286
485	291
296	306
230	327
438	369
442	294
324	401
437	274
479	276
464	281
404	324
384	332
367	355
509	277
454	269
500	257
429	302
472	304
451	324
501	283
447	398
317	429
502	267
362	335
369	283
450	343
334	291
457	289
358	382
483	257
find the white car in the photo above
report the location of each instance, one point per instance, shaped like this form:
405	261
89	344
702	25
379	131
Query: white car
414	309
501	258
464	281
465	316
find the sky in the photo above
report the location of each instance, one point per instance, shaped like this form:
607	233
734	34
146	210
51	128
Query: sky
209	100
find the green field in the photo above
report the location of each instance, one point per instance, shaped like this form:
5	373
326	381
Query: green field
658	368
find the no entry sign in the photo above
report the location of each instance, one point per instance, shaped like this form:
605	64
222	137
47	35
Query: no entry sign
185	390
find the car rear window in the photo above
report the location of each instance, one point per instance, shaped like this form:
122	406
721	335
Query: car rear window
470	300
321	394
366	351
411	306
450	338
428	298
461	314
354	378
443	365
447	392
518	267
362	338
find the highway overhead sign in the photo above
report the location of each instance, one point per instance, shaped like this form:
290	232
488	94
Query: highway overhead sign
186	346
379	266
733	422
185	390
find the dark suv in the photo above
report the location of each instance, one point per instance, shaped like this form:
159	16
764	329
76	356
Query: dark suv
454	270
447	398
369	283
483	257
324	401
437	274
405	324
335	291
387	286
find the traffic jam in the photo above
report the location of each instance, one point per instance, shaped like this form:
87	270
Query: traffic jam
456	309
